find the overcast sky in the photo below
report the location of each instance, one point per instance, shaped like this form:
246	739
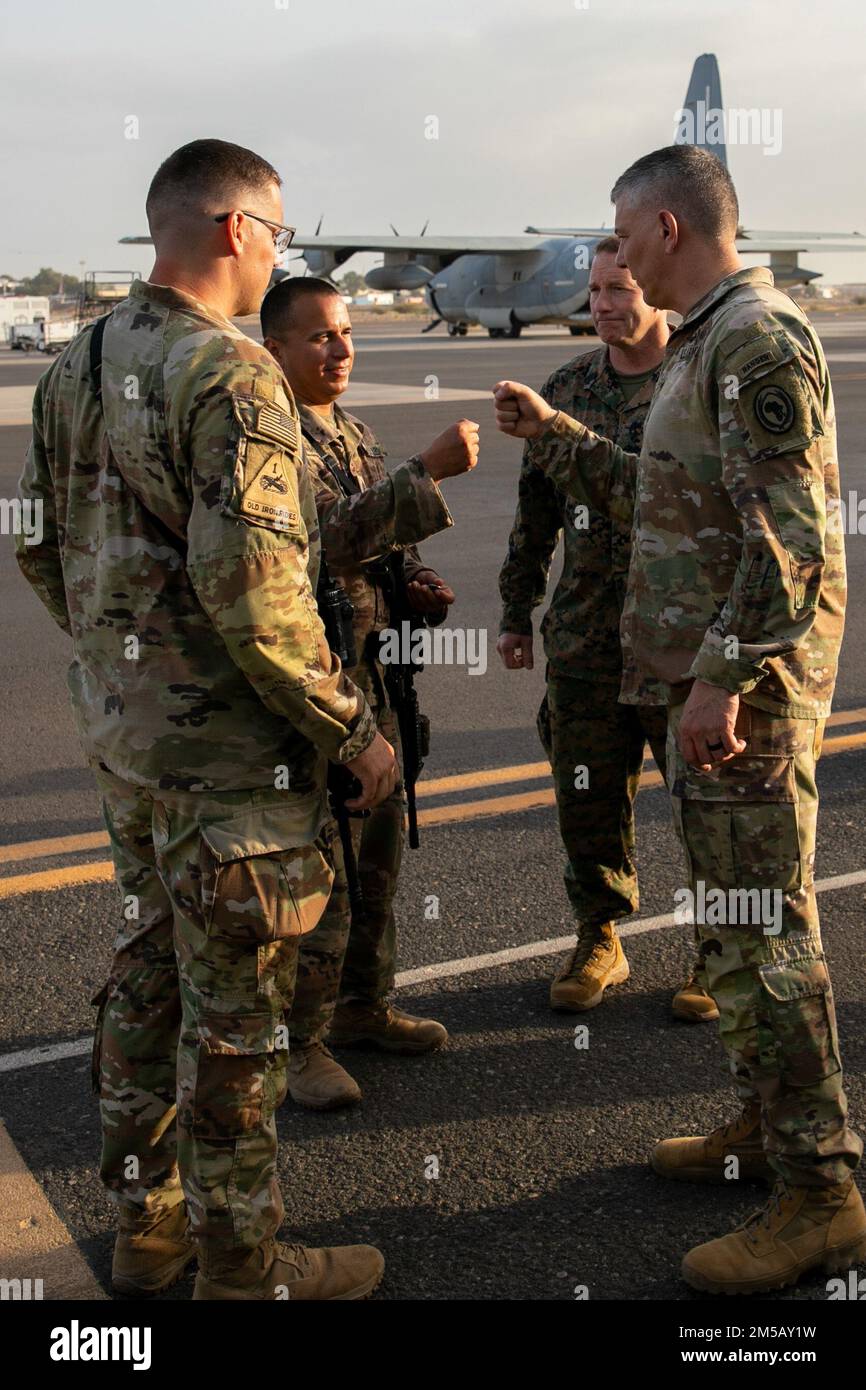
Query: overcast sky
540	104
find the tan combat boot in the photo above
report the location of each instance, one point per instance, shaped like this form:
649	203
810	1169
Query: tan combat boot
693	1002
317	1081
280	1272
150	1259
706	1159
597	962
800	1228
382	1025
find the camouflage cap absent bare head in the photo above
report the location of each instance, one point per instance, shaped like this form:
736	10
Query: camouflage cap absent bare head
608	246
279	303
691	183
205	176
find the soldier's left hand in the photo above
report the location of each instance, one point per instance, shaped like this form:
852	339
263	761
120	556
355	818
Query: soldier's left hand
428	593
706	732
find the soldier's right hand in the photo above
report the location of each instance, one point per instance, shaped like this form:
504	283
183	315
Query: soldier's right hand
455	451
515	649
520	411
378	772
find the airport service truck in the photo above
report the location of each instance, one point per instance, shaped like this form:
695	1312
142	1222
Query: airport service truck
43	335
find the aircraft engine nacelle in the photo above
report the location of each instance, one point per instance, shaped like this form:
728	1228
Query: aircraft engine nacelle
411	276
321	262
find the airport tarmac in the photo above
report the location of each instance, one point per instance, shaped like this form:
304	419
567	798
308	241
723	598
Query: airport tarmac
543	1182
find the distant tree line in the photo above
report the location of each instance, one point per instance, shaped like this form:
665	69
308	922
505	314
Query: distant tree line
47	281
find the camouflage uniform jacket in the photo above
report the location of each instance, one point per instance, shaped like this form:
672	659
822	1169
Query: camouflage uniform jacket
178	533
387	512
738	568
581	626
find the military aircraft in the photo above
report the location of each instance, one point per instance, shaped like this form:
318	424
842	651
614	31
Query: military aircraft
503	283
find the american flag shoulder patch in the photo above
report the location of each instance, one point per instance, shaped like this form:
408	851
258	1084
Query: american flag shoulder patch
264	420
273	423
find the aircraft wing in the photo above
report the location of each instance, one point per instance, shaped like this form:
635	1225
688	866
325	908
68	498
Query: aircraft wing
754	243
431	245
572	231
420	245
748	241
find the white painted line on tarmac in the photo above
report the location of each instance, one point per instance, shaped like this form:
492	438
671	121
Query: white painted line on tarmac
365	393
449	968
441	970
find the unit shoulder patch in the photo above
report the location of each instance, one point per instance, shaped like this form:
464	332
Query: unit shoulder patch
268	455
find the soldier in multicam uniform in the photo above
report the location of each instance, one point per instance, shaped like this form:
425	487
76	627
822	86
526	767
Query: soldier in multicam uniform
365	514
208	704
595	744
734	615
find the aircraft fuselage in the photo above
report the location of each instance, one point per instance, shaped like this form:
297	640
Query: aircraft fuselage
551	285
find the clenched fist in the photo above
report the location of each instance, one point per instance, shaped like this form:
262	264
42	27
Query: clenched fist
520	411
455	451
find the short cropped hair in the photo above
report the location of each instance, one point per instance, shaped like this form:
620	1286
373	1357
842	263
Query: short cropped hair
209	176
692	183
279	303
608	246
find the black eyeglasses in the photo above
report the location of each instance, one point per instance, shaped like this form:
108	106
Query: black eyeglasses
282	234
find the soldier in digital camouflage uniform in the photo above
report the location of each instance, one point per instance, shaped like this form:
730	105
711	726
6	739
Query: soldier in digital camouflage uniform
207	704
734	615
365	514
595	744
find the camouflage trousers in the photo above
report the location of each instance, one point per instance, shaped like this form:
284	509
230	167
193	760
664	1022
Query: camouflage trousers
596	751
750	825
218	890
356	958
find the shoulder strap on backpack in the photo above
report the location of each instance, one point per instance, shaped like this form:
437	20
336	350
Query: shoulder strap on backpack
96	338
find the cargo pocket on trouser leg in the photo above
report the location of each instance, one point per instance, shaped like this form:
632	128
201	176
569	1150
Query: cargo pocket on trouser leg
805	1111
231	1095
261	880
799	1002
260	893
229	1148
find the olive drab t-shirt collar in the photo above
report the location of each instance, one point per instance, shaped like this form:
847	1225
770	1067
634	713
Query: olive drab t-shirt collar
600	378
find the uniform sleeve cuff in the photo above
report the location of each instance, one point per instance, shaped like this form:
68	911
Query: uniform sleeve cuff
419	507
738	677
561	430
516	622
360	737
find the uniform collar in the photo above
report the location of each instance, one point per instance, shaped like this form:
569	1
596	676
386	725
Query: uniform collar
751	275
321	430
602	380
167	295
599	378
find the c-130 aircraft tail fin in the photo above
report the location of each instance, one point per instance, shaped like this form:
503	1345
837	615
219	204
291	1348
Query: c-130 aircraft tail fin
701	120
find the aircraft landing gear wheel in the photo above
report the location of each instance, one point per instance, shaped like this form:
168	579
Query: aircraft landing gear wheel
513	332
463	329
453	330
496	332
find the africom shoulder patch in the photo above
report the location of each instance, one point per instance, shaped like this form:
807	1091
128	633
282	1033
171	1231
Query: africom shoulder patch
268	453
774	409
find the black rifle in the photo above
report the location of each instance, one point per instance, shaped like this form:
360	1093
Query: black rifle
337	612
414	726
